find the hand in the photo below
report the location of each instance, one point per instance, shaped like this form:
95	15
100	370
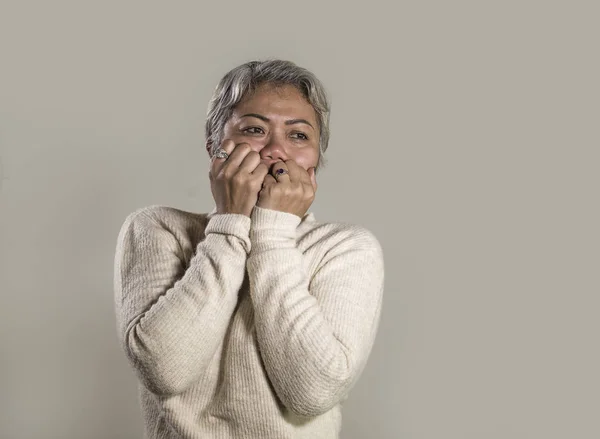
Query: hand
236	181
293	192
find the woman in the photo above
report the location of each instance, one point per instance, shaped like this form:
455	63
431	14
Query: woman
254	320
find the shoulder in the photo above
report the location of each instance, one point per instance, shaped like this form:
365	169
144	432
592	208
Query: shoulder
163	215
163	223
169	218
345	251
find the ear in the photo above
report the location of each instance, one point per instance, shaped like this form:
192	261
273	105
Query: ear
208	147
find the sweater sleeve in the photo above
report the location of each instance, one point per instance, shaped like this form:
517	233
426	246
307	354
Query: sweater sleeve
315	335
171	318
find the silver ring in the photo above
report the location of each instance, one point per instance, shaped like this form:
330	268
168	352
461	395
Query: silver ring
221	154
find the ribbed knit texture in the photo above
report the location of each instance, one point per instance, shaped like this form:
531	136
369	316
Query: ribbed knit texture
244	327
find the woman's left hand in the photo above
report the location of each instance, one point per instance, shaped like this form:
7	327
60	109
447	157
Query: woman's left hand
293	192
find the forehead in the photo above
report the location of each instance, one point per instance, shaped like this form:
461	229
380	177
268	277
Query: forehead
272	101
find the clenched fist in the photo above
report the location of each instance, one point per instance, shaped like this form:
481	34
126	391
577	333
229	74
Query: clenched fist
235	182
293	192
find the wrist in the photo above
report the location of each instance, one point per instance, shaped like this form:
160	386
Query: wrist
232	224
271	229
273	220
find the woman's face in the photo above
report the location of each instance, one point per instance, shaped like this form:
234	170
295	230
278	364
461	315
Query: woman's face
279	124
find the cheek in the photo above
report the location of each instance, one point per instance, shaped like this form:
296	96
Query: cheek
256	144
306	158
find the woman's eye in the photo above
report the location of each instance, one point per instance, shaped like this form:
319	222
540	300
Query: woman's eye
302	136
252	130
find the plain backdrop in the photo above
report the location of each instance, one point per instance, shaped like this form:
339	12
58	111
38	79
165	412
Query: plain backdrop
465	135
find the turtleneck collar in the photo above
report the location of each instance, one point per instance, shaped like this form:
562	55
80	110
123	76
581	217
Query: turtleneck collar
309	217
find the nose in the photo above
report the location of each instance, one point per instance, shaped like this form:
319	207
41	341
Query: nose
274	149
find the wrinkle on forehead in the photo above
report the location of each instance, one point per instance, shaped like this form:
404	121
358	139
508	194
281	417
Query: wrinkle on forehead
288	96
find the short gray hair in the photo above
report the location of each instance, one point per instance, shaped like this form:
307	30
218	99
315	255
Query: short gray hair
235	85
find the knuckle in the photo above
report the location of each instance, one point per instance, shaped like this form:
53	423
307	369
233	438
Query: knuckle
239	178
224	173
227	147
244	147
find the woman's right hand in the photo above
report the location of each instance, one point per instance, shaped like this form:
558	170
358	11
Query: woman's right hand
236	181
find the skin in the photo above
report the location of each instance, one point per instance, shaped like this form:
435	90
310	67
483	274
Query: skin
273	128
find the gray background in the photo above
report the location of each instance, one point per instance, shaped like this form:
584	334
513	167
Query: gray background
464	135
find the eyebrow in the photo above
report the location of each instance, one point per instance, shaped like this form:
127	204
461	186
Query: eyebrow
287	122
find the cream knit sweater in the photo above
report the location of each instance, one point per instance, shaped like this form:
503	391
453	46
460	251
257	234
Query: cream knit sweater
243	327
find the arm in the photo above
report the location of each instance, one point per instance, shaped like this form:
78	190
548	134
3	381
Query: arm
171	319
315	335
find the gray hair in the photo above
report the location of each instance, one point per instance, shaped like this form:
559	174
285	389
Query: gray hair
235	85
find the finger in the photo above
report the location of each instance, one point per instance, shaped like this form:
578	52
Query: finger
307	179
217	163
250	161
298	173
240	151
227	145
269	179
313	178
276	169
261	171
